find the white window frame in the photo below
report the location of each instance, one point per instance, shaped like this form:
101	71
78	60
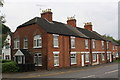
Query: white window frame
108	56
72	42
93	43
73	54
102	42
113	47
16	43
56	40
107	45
103	56
94	56
37	56
86	43
25	43
87	57
117	55
56	58
37	41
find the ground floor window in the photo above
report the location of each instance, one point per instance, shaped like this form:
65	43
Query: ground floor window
108	56
7	57
94	57
38	59
20	59
87	57
73	57
103	57
117	54
56	58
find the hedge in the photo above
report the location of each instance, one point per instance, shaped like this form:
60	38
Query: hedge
10	66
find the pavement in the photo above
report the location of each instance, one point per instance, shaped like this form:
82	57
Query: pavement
72	73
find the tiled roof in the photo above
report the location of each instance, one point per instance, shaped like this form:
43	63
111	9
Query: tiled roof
25	52
54	27
90	34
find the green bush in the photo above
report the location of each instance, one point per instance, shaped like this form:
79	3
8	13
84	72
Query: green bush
4	61
9	67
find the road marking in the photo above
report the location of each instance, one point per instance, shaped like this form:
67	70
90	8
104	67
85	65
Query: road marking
53	74
111	71
89	76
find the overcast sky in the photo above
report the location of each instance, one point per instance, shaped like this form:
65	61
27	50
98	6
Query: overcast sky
103	14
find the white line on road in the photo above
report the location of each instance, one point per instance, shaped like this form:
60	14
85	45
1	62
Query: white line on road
89	76
111	71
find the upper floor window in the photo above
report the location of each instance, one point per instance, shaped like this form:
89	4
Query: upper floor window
72	42
55	40
107	45
25	43
86	44
93	44
16	43
102	44
37	41
113	47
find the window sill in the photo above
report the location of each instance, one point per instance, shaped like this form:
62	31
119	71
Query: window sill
56	47
73	63
37	47
87	61
25	48
38	65
94	60
56	65
72	47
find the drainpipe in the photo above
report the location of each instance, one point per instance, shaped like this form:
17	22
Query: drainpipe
91	52
105	52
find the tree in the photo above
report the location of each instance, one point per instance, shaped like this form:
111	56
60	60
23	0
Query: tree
111	38
1	3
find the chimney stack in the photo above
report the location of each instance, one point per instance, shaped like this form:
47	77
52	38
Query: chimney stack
71	21
47	14
88	26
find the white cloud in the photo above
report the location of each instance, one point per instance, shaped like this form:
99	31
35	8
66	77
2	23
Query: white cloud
102	14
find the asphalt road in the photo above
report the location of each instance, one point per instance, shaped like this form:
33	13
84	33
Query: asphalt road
109	70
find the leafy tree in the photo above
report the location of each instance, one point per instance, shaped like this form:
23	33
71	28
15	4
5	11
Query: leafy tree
110	37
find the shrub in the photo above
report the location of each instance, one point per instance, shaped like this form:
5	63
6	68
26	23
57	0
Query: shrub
4	61
9	66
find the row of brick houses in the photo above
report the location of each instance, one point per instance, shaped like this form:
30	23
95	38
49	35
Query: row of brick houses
51	44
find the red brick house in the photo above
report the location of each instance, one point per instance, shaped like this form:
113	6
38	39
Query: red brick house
51	44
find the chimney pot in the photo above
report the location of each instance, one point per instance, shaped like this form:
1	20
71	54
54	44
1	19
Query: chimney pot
71	21
47	14
88	26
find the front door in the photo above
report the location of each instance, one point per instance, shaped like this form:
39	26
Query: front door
82	56
110	58
97	58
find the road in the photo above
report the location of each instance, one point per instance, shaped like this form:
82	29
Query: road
109	70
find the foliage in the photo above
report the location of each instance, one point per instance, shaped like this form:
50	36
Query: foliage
4	61
110	37
3	34
10	66
1	3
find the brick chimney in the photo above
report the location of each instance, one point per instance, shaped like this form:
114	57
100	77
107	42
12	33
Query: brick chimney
47	14
88	26
71	21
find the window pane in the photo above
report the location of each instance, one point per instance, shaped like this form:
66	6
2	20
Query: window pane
38	59
73	58
37	41
56	59
72	42
55	42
